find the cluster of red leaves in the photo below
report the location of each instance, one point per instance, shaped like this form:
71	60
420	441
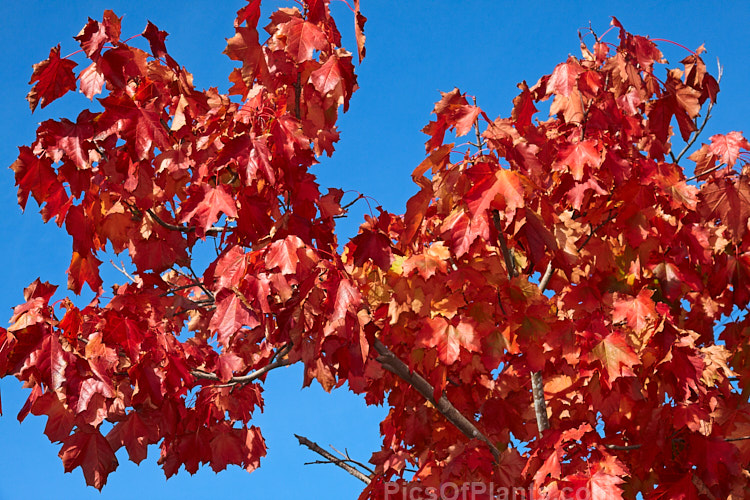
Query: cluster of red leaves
573	247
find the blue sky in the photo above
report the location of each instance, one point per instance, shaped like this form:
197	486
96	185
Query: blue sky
414	50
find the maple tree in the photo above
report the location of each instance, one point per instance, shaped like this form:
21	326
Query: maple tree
560	308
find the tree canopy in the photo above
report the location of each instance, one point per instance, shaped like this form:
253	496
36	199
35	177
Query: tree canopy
561	308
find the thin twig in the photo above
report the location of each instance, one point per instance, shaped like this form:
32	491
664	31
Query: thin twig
393	364
351	460
480	142
211	231
122	270
703	125
717	167
303	441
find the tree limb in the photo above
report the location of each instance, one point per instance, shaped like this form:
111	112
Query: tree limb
277	362
393	364
211	231
339	462
537	381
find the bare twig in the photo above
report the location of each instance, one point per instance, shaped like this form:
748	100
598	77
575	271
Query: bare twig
717	167
303	441
122	270
480	142
351	460
393	364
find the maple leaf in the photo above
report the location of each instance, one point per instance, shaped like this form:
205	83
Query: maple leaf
90	451
283	254
463	230
727	147
616	356
727	201
577	156
227	448
51	79
359	30
230	315
92	81
140	126
84	268
34	175
638	311
133	433
92	38
503	184
328	76
60	419
302	39
564	78
244	46
156	39
372	245
202	210
453	112
448	339
523	107
72	140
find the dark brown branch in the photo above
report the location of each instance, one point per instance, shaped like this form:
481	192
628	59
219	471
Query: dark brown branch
510	263
393	364
211	231
622	447
339	462
351	460
717	167
298	97
245	379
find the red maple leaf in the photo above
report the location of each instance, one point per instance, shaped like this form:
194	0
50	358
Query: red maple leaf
90	451
576	156
616	356
637	311
302	39
501	189
51	79
728	201
34	175
202	210
727	146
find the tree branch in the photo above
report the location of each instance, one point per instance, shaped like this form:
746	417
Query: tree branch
510	262
246	379
393	364
339	462
211	231
537	381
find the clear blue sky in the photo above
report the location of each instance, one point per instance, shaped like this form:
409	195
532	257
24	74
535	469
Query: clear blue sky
414	50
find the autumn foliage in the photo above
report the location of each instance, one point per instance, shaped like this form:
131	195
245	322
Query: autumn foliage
567	257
